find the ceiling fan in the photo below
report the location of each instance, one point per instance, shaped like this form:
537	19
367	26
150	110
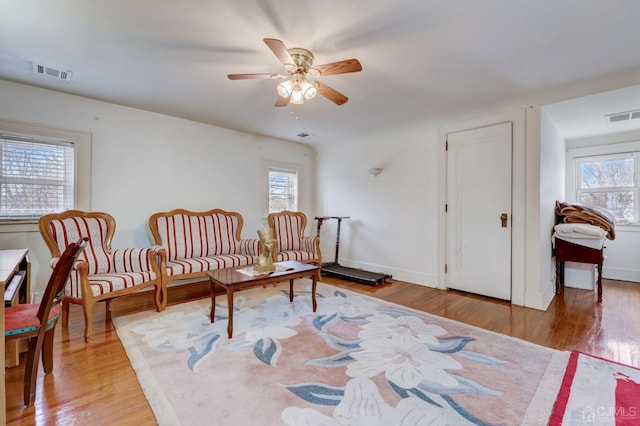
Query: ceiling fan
299	65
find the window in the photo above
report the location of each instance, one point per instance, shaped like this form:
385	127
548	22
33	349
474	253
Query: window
283	189
42	170
36	177
610	182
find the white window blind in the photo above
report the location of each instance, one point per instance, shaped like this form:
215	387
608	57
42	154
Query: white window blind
36	177
283	190
610	182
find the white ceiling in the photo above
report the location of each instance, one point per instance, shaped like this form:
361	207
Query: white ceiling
586	116
421	58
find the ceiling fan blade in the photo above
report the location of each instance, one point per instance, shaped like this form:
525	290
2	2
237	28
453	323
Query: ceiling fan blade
340	67
282	102
331	94
280	50
254	76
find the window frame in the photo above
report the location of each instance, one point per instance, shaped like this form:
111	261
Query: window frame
266	164
296	192
576	156
82	166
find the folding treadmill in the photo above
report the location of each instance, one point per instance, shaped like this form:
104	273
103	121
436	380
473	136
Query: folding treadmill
334	268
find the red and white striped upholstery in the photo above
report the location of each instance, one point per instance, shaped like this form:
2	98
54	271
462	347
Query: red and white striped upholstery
307	251
288	230
202	264
109	271
187	236
100	274
199	242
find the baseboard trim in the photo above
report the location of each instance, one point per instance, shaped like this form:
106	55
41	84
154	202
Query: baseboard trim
414	277
622	274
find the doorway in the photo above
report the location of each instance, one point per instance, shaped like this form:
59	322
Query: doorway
479	210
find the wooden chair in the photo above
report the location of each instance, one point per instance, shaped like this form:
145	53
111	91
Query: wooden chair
101	274
37	322
291	243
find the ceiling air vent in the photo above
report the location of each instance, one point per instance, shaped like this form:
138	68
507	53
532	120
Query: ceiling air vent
623	116
42	69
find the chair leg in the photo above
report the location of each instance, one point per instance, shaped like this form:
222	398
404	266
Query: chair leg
160	298
31	369
65	313
87	309
107	310
47	350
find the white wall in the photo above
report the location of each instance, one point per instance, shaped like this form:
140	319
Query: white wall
399	215
395	218
144	162
552	188
393	225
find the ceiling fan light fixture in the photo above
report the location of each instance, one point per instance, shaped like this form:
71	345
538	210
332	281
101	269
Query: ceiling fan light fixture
299	65
285	88
297	97
308	89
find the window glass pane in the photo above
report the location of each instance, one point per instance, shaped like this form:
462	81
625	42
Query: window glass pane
607	173
283	190
620	204
36	177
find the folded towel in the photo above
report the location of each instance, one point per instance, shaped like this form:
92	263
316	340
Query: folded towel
579	230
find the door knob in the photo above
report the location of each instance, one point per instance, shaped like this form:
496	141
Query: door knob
503	218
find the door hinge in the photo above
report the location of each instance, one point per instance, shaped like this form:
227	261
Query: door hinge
446	208
445	268
446	145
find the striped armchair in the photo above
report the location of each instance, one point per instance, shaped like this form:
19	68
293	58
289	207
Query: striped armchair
100	274
197	242
291	244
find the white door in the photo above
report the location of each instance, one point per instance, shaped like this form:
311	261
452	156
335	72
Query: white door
479	211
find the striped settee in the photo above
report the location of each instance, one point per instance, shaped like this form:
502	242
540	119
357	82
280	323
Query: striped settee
197	242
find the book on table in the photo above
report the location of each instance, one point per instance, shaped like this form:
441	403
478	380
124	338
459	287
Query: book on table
252	272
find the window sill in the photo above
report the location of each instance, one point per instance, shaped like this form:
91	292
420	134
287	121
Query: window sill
18	226
628	227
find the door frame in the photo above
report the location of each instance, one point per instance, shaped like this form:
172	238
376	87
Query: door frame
518	122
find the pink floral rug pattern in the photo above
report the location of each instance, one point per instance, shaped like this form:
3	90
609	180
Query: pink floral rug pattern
356	361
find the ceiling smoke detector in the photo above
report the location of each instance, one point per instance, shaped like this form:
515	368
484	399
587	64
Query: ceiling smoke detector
623	116
42	69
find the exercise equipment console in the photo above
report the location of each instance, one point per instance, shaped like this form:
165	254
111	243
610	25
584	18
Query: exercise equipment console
334	268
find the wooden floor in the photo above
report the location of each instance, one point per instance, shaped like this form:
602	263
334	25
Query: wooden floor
95	384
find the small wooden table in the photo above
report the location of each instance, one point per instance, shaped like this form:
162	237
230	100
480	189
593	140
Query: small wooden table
232	280
566	251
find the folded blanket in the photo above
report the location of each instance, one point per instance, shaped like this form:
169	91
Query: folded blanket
579	230
579	213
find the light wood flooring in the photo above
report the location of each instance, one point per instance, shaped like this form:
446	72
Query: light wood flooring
94	384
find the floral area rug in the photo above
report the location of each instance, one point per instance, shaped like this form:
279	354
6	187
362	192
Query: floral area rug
356	361
597	391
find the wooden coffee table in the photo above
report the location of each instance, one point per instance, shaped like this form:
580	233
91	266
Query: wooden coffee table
232	280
